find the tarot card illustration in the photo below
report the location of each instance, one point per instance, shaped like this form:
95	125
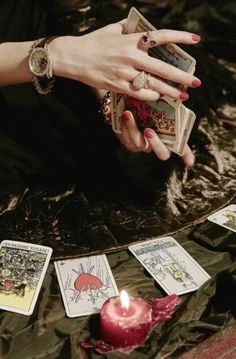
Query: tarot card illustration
22	269
85	283
170	265
226	217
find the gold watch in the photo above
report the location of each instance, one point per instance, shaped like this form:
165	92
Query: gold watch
40	65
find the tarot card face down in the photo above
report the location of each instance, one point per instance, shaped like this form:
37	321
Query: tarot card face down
226	217
23	267
85	284
170	265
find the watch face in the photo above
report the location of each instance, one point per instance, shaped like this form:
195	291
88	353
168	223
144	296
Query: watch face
38	61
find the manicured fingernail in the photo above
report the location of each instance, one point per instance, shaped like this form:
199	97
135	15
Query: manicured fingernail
126	117
148	133
196	83
184	96
196	37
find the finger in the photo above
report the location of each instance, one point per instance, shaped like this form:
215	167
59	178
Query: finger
142	94
166	71
134	134
126	140
166	36
161	86
158	147
188	157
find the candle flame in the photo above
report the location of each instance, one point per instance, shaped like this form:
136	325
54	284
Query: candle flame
124	299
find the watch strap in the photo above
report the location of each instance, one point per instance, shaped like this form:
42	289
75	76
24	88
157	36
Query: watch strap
43	84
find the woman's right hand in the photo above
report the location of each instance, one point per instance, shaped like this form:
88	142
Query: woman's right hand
108	59
148	141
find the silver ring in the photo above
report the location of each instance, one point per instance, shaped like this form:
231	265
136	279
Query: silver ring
141	81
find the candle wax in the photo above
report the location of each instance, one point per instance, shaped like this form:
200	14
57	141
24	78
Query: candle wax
125	327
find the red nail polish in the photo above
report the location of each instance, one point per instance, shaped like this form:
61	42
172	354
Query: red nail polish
126	117
196	37
196	83
148	133
184	96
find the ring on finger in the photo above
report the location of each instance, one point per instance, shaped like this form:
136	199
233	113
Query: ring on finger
141	81
147	40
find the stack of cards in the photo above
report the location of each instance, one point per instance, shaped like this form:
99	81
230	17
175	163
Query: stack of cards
169	118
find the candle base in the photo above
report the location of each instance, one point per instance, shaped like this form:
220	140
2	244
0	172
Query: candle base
162	309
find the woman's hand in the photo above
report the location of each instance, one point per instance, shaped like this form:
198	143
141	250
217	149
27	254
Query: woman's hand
110	60
134	141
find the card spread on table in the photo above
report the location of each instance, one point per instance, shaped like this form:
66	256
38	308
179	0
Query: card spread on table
173	122
22	270
226	217
170	265
85	284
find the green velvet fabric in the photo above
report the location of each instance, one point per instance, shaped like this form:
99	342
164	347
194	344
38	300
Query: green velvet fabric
49	334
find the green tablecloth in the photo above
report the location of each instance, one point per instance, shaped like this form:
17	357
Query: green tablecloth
48	333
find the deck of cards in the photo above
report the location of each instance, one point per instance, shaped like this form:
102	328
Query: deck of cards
169	118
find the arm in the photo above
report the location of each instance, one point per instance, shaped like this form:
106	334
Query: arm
14	67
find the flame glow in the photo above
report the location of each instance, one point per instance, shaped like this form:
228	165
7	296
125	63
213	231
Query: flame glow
124	299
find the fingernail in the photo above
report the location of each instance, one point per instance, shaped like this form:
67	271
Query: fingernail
184	96
148	133
126	117
196	37
196	83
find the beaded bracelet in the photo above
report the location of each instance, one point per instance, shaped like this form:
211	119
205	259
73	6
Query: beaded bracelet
105	108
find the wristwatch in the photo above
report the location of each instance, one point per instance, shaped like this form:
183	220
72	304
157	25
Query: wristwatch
40	65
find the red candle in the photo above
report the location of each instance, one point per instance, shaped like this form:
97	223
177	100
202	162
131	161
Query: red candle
124	321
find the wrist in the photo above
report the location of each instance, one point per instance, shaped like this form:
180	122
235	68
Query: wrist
61	50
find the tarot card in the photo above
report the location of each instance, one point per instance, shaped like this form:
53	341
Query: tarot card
85	284
117	109
186	130
226	217
22	270
170	53
170	265
158	115
163	119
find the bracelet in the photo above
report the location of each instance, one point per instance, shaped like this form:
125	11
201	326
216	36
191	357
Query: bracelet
105	108
40	66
